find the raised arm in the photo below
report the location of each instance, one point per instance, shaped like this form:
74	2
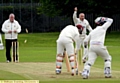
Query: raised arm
108	23
75	19
104	21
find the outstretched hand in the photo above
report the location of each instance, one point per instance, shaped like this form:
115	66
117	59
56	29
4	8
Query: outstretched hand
10	31
75	9
15	31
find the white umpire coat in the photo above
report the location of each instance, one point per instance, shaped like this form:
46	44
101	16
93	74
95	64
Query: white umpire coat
11	26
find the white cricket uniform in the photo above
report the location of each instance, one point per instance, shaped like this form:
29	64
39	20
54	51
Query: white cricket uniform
96	40
67	37
85	25
7	26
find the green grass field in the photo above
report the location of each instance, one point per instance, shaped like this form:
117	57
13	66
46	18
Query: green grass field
38	55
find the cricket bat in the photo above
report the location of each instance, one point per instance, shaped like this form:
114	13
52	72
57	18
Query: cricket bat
67	62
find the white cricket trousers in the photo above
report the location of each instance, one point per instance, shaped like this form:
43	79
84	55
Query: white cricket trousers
65	43
98	50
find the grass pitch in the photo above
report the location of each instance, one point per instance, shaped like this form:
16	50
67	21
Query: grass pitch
37	61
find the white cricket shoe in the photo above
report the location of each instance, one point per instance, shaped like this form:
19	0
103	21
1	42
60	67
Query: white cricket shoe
58	71
108	76
107	72
85	74
7	61
16	61
74	71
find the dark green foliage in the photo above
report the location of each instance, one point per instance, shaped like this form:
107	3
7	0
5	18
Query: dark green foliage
53	15
65	7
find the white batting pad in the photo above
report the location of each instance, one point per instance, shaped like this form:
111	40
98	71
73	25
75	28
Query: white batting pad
1	43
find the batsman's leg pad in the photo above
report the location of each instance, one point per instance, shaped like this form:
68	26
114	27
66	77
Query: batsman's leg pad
73	64
72	61
59	60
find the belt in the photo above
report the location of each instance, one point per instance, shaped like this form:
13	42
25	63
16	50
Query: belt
96	43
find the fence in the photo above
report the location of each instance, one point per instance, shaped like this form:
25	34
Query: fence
28	18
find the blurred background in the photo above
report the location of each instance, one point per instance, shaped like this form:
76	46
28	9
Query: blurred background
54	15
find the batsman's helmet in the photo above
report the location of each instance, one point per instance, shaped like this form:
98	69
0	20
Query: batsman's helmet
80	28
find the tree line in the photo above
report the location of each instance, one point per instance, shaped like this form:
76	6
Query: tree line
65	7
42	15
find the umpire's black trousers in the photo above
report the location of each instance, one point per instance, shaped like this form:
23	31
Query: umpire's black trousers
9	45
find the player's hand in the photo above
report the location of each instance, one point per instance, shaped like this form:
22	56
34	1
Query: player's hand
103	19
10	31
75	9
15	31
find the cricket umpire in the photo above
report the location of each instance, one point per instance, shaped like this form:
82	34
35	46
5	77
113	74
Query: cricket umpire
96	40
11	28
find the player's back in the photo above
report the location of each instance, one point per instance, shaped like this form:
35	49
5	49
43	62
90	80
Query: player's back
69	31
98	35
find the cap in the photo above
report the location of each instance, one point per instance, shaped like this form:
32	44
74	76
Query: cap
100	20
97	20
79	26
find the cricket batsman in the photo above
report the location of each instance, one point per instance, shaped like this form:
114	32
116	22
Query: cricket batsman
67	37
85	24
96	40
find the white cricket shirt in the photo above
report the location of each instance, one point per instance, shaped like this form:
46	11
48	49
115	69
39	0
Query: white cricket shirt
98	34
